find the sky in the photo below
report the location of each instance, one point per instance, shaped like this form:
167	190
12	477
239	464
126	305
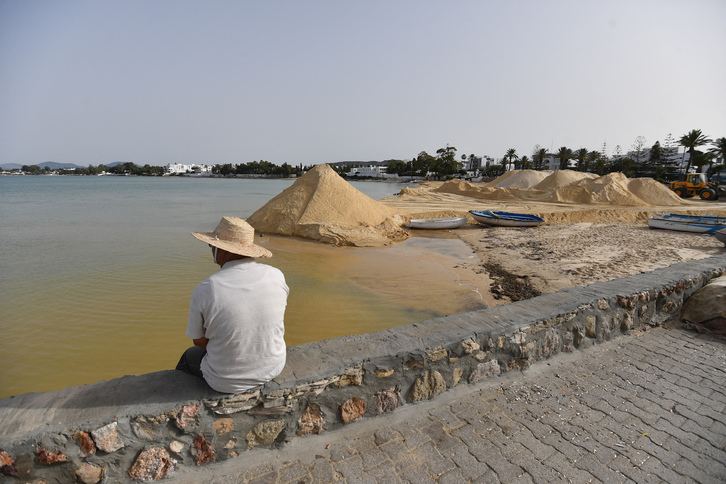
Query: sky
320	81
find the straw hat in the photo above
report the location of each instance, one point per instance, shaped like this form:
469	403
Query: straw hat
234	235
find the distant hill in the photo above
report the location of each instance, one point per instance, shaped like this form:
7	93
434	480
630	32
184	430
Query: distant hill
57	166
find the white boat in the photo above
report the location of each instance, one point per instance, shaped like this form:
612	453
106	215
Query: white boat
505	219
700	224
437	223
720	235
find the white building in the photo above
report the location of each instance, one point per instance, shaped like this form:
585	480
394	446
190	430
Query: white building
178	168
377	171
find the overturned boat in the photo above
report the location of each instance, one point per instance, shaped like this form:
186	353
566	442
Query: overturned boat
701	224
505	219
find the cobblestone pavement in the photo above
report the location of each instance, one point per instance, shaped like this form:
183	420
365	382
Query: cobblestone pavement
644	408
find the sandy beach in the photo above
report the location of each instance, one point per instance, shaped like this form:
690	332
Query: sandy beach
579	243
595	230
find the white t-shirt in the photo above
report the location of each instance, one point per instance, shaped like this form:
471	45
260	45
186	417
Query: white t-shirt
241	310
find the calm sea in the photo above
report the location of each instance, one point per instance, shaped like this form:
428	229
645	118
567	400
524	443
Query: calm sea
96	274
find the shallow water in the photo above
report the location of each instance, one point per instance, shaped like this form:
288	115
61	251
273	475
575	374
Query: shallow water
97	273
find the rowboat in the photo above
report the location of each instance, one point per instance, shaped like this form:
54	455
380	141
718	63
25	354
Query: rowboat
437	223
720	235
505	219
701	224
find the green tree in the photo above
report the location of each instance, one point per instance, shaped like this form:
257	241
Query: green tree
496	169
719	149
592	158
525	162
396	167
581	157
691	141
423	163
565	155
511	156
601	164
446	164
639	152
32	169
538	156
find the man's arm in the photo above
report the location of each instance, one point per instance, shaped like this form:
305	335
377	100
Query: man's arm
201	342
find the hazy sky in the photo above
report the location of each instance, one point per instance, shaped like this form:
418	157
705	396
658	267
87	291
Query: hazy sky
322	81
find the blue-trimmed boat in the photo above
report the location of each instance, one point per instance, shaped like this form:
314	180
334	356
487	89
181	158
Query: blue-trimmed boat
505	219
701	224
720	235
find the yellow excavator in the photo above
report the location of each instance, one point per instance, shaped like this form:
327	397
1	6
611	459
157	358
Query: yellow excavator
695	184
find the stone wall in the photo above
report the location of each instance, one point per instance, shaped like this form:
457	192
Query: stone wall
150	426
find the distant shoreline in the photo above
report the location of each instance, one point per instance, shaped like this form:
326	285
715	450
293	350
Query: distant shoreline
246	177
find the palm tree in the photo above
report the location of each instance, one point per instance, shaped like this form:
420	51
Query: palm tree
565	155
510	156
692	140
538	156
719	149
592	157
581	156
525	162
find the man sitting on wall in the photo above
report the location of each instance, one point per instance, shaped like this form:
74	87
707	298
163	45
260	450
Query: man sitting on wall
236	315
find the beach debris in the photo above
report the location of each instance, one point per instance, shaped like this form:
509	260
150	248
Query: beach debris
506	284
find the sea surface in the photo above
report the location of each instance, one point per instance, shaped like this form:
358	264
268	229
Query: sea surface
96	274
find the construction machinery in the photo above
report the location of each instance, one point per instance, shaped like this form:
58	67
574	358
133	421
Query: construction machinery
696	184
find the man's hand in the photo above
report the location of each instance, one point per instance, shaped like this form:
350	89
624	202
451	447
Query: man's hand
201	342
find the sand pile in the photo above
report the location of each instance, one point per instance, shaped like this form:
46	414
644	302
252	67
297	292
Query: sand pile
562	178
466	189
615	189
322	206
520	179
567	186
653	192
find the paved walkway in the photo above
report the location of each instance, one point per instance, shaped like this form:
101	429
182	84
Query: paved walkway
643	408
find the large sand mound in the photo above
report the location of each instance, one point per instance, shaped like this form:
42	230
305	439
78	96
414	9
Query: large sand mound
569	187
322	206
562	178
520	179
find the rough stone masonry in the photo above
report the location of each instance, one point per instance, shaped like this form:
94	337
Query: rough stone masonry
146	427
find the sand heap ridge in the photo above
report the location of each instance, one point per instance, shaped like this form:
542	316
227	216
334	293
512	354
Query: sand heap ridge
570	187
322	206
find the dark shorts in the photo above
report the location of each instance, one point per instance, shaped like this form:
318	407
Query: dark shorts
191	361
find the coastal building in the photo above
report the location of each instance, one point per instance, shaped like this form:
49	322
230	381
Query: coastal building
180	169
375	171
551	162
